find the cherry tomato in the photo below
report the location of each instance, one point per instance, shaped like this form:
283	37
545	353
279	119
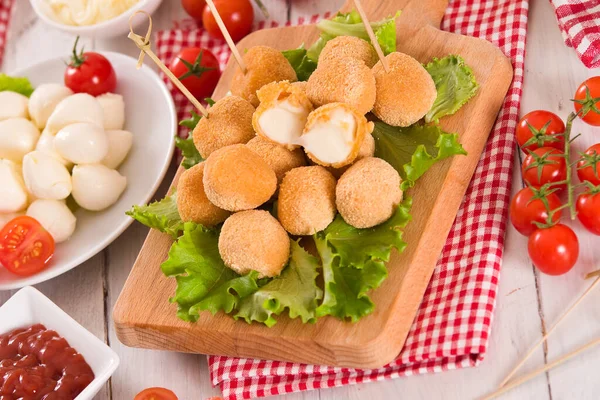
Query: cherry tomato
554	250
588	211
155	393
553	167
194	8
198	70
237	15
538	129
584	98
90	73
588	167
25	246
524	210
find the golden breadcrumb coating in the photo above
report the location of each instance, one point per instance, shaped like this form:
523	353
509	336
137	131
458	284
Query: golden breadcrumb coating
254	241
405	93
345	80
300	85
279	158
306	200
229	122
263	65
367	149
192	203
368	192
349	46
237	179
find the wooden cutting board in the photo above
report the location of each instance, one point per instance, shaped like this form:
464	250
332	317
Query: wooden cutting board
144	317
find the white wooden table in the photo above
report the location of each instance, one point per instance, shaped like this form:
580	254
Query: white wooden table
527	302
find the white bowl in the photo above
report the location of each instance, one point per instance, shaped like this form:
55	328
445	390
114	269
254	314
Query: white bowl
29	307
150	115
114	27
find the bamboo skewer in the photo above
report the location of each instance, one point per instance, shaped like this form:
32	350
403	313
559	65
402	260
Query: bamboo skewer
371	34
143	43
234	50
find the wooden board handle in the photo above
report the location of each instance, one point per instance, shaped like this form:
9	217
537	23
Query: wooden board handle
419	12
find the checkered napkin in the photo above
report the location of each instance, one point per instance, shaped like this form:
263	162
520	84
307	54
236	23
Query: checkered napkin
579	22
452	326
5	12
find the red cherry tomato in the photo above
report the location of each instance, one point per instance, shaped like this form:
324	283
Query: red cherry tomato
584	98
588	167
552	167
554	250
155	393
25	246
588	211
539	129
90	73
524	211
194	8
198	70
237	15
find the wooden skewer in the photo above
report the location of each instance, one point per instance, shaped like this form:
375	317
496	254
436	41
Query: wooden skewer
593	274
543	339
234	50
542	370
143	43
371	34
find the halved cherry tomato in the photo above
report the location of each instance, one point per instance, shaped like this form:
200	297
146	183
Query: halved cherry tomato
155	393
544	165
588	168
237	15
540	128
525	210
554	250
194	8
90	73
198	70
584	98
588	211
25	246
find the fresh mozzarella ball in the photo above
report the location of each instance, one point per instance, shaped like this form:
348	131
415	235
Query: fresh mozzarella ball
80	107
81	143
119	144
46	145
113	108
13	105
96	187
55	217
6	218
13	195
45	176
18	137
44	100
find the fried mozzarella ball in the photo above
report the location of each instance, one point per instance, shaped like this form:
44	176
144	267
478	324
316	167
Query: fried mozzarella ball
254	241
81	143
18	136
13	105
405	93
80	107
306	200
334	134
119	144
45	144
96	187
55	217
237	179
368	193
279	158
113	111
44	100
263	65
282	113
192	203
300	85
229	122
344	80
349	46
13	195
46	177
366	149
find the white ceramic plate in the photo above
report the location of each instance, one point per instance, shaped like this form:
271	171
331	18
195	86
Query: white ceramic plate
150	115
28	307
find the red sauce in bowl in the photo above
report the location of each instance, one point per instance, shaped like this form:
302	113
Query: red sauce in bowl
37	364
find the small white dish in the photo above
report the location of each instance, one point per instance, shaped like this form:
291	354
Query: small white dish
29	307
150	115
117	26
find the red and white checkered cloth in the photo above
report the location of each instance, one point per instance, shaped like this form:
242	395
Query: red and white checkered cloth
5	12
579	22
452	327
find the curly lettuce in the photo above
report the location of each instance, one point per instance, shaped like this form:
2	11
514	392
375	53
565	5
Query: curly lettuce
161	215
299	60
19	85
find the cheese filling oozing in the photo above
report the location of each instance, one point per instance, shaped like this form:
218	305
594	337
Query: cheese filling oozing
284	122
331	141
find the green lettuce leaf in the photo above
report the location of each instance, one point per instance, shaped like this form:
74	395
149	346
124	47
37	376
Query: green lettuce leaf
15	84
295	290
161	215
455	84
299	60
414	149
191	155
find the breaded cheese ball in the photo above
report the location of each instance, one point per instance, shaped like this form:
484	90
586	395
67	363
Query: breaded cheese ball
254	241
300	85
349	46
192	203
237	179
279	158
366	149
263	65
344	80
306	200
229	122
368	192
404	94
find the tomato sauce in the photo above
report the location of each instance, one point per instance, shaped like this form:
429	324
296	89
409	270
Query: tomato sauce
37	364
